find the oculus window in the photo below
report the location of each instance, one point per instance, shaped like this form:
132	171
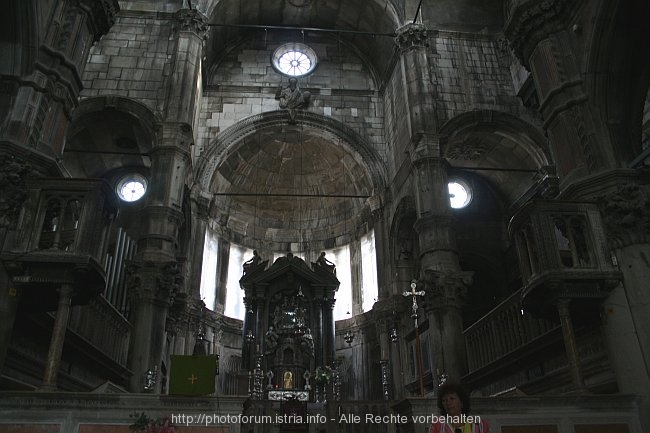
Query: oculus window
294	60
460	194
131	187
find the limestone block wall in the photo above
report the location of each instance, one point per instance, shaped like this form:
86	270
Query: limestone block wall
471	72
132	60
244	83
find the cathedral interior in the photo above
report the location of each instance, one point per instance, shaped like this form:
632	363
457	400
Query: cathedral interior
340	204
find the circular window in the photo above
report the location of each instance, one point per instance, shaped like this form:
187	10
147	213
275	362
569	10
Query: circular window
294	59
132	187
459	194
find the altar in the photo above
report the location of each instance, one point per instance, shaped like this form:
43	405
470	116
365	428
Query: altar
289	326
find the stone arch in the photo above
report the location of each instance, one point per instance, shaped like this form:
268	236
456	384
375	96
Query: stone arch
123	129
254	168
336	131
138	110
617	75
493	139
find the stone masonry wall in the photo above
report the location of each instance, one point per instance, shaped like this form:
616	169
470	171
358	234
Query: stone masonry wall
471	72
244	84
132	60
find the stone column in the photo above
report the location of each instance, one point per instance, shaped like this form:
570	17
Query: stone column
412	43
626	216
328	331
151	286
444	281
383	261
156	274
190	31
222	274
58	337
13	193
356	277
570	345
545	45
9	298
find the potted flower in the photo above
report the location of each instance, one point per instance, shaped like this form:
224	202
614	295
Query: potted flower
145	424
322	377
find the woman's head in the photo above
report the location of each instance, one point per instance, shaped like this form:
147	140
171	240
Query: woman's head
453	399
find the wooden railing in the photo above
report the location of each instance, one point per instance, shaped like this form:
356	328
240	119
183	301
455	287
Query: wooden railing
104	327
501	331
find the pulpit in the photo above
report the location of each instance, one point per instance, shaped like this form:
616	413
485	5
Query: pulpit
289	323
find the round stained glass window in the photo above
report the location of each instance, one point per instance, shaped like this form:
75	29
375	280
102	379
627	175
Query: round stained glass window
294	59
459	194
132	187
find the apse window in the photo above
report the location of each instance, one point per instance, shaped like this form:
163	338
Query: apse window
294	59
132	187
460	195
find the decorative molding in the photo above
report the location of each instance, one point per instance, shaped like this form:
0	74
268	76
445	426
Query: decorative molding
626	215
446	288
533	20
153	281
13	191
471	149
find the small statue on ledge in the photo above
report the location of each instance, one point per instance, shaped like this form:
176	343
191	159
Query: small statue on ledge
249	265
325	264
291	97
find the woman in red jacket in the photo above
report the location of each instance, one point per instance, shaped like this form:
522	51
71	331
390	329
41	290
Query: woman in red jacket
454	405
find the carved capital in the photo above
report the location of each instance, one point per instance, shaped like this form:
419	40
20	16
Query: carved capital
532	21
626	215
411	36
154	281
191	20
446	288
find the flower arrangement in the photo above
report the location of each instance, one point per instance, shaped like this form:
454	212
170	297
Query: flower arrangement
145	424
322	376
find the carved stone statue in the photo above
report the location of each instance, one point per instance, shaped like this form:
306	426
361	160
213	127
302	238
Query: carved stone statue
252	263
291	97
324	264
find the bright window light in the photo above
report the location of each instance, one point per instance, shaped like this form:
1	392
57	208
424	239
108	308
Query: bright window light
459	194
294	59
131	188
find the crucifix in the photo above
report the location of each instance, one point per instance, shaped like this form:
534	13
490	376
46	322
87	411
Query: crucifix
192	378
414	308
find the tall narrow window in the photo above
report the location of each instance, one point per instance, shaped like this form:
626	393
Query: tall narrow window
234	294
341	258
208	288
369	289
